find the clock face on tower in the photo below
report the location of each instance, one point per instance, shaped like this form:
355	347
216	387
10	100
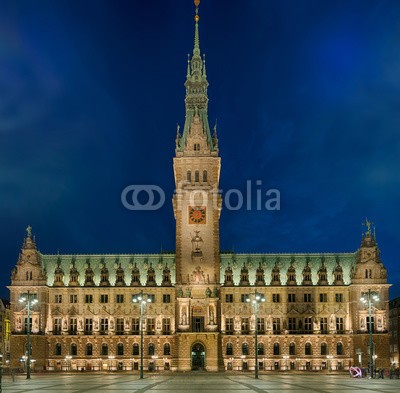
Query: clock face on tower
197	215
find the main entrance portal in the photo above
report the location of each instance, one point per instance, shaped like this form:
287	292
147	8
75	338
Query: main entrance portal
198	356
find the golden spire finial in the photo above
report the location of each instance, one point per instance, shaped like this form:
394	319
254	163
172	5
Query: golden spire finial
197	17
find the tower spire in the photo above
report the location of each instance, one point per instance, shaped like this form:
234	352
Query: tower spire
196	49
196	100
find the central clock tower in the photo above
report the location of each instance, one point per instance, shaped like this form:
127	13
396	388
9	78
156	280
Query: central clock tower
197	207
197	201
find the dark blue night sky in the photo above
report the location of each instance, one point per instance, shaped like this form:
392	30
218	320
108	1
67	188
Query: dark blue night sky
307	99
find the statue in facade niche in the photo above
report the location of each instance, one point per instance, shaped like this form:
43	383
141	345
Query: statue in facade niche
315	323
184	317
208	292
211	316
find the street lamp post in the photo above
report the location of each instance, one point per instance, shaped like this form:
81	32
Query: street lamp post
367	298
143	300
30	300
256	301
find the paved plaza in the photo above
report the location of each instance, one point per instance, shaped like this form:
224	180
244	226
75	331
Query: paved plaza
196	382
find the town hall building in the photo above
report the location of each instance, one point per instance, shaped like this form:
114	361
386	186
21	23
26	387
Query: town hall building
198	314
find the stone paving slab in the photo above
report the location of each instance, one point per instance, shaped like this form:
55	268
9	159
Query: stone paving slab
196	383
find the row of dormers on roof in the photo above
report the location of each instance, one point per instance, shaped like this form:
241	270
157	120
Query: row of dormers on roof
291	278
105	277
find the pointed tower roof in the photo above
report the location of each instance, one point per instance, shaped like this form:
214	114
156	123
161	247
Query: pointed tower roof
196	100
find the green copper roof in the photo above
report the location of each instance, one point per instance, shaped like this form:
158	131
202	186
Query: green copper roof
127	261
236	261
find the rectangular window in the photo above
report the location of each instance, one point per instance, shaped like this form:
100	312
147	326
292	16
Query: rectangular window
73	325
73	298
120	326
276	325
339	297
323	325
292	325
135	325
308	324
57	326
166	298
245	326
260	325
276	298
103	298
307	298
244	297
58	299
291	297
323	297
88	298
166	323
151	326
229	325
119	298
340	325
88	326
152	298
229	298
104	325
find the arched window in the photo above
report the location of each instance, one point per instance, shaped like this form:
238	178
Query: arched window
339	349
260	348
89	349
229	349
307	349
245	349
27	276
151	349
57	350
277	349
74	350
366	273
204	176
30	275
167	349
120	349
104	349
292	349
135	349
196	176
189	176
324	349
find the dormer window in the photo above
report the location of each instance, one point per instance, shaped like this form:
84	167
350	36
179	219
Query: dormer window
196	147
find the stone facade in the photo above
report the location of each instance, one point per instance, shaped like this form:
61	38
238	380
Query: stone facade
394	328
4	331
199	317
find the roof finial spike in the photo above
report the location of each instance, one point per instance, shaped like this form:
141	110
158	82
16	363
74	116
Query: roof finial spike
196	50
188	67
29	231
204	66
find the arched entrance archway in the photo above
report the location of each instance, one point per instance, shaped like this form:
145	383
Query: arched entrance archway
198	356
